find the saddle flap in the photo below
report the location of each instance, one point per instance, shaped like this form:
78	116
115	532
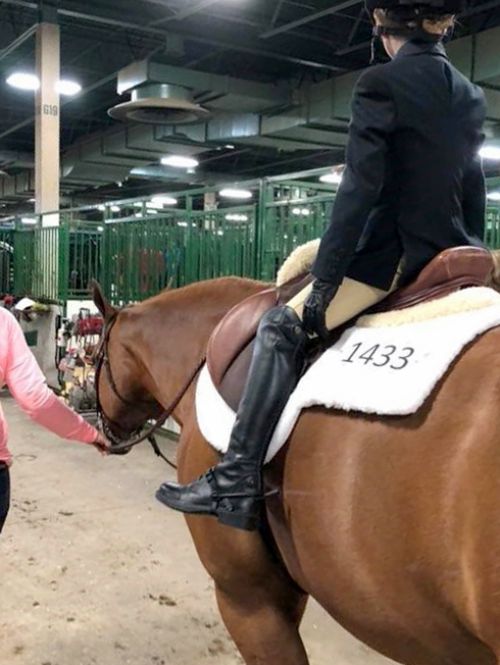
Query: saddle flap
234	334
451	270
235	331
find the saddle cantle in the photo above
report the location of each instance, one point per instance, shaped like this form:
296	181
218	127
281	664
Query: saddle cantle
450	271
230	347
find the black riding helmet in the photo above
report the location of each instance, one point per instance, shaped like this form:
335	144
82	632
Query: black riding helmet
409	15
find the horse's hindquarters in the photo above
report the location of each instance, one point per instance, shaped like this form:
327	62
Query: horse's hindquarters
380	524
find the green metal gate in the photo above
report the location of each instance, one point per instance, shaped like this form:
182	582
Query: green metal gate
6	261
291	214
135	250
492	237
142	257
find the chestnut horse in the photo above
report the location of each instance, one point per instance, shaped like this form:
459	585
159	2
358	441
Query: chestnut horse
391	524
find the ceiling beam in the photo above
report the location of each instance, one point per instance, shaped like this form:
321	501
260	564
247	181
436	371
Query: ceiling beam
230	46
355	27
18	41
285	27
185	13
276	12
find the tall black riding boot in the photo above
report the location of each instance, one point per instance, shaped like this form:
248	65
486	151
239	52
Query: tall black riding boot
233	490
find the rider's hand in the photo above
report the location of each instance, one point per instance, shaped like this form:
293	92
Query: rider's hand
315	308
102	445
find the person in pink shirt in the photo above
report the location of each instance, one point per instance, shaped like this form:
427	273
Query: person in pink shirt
26	382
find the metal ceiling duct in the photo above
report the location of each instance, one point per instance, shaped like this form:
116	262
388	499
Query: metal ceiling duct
154	101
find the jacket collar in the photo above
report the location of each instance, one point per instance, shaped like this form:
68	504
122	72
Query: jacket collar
421	47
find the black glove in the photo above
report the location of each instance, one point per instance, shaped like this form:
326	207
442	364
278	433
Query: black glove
315	307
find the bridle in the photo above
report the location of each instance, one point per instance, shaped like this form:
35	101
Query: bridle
101	359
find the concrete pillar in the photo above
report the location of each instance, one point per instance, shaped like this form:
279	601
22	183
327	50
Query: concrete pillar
47	126
47	154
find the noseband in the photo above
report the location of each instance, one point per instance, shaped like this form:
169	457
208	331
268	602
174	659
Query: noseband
104	423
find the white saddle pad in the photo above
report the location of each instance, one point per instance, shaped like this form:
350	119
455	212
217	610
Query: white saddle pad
387	364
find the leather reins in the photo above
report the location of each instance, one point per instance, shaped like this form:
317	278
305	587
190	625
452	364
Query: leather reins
104	423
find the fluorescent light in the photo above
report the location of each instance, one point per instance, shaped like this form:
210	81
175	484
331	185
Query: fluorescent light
68	88
494	196
23	81
101	207
164	201
490	152
235	217
138	214
27	81
100	229
115	208
180	162
303	212
234	193
28	221
332	178
184	224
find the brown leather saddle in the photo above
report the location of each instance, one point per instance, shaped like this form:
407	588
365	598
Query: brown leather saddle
230	347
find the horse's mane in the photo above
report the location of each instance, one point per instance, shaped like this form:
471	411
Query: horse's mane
207	288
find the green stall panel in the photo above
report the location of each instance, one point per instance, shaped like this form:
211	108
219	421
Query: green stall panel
493	227
143	256
291	215
6	261
24	261
135	250
81	245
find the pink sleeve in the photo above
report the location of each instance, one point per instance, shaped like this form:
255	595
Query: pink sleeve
27	384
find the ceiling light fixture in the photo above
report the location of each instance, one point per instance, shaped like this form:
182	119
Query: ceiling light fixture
234	193
235	217
68	88
490	152
494	196
115	208
302	212
23	81
180	162
29	221
334	178
164	201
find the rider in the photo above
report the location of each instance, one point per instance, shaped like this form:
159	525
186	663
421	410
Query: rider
413	186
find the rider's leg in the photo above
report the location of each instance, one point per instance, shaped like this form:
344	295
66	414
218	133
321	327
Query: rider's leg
233	490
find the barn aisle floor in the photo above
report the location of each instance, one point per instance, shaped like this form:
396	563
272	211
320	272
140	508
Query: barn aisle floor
95	572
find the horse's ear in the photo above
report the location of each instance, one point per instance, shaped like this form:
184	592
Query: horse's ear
100	301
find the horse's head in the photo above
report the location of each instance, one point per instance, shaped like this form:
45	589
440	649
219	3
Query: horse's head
124	403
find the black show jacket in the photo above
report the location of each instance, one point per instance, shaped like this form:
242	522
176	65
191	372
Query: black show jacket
413	184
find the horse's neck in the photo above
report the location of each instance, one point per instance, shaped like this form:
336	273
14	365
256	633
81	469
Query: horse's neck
176	331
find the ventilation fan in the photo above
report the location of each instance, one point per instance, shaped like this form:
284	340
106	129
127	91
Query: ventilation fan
159	104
